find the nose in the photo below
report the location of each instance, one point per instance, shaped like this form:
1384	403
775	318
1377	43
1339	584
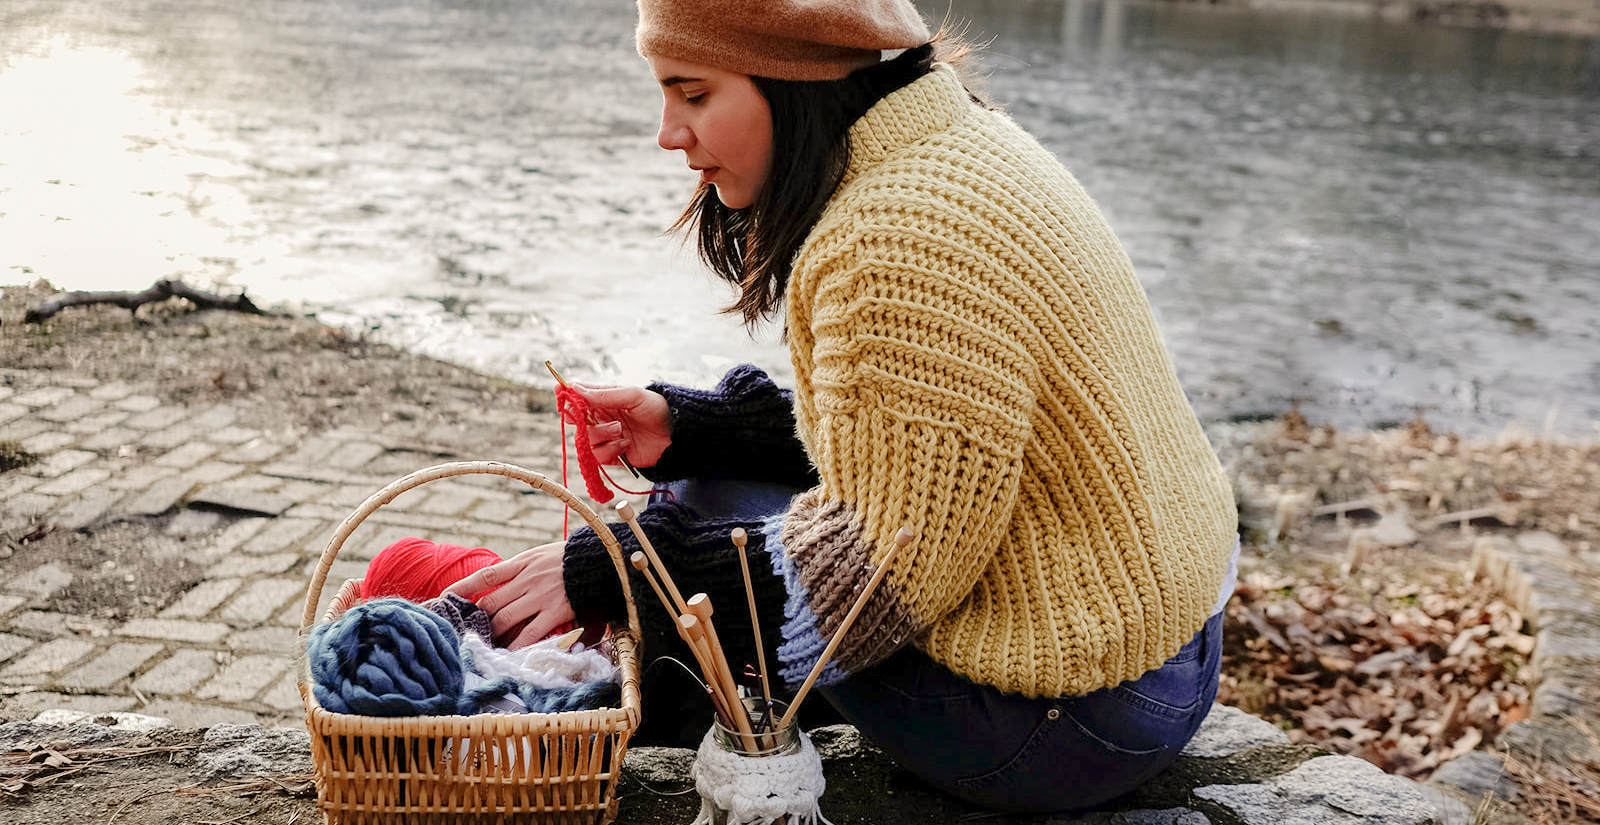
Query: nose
674	135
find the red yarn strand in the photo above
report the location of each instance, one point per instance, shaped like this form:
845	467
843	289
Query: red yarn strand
596	481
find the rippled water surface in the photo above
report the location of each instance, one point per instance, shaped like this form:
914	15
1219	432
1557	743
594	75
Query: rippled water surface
1359	218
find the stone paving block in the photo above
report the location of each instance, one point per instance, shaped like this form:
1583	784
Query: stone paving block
284	534
97	423
313	450
244	678
159	418
283	641
202	599
71	409
111	666
48	442
44	396
243	565
178	674
56	625
175	630
35	702
297	490
368	541
213	472
11	412
256	482
10	603
140	477
114	391
110	439
499	511
232	436
30	505
450	502
138	403
22	426
16	483
187	454
349	496
192	522
42	581
87	508
236	534
6	392
285	695
159	497
74	482
193	715
352	455
40	665
213	418
254	451
261	600
11	645
168	438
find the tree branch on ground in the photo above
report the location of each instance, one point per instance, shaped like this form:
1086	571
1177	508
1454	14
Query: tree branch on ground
131	301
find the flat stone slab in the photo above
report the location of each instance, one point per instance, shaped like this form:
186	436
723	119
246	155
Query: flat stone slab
223	497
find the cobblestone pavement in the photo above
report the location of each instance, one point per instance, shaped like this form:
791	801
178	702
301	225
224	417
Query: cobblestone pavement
252	509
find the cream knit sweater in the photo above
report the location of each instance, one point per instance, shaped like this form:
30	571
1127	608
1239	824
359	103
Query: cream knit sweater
975	359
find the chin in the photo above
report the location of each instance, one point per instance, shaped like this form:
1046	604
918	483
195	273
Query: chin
733	200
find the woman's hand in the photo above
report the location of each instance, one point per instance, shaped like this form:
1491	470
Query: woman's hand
530	598
626	421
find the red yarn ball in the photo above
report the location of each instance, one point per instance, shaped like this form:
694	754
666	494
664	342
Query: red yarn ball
418	570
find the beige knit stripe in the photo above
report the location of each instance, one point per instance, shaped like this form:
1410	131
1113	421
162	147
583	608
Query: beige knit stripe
833	561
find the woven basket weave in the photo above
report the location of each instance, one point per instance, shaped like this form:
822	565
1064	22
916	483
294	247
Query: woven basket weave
502	768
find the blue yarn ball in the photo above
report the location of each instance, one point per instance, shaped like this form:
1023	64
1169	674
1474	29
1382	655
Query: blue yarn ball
387	657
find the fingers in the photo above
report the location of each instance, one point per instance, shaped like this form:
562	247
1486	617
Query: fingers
485	579
541	626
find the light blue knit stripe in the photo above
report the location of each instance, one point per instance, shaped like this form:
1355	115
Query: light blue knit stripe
803	642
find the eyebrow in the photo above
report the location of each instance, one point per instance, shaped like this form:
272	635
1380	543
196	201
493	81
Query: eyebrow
676	80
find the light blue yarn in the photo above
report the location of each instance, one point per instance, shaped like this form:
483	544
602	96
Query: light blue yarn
387	657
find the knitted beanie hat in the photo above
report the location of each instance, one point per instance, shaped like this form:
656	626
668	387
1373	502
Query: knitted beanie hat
781	39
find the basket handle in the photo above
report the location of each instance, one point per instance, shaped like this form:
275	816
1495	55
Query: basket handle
457	468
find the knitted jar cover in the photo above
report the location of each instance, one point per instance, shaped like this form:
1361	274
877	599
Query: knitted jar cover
758	790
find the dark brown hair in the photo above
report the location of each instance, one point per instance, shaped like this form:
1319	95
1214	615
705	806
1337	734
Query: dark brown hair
754	248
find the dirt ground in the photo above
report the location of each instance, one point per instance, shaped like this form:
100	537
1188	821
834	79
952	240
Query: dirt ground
293	373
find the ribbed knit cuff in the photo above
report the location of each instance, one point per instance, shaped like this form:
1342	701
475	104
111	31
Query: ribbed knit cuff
802	641
742	429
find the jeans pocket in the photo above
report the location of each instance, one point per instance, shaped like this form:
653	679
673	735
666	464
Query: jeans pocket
1066	763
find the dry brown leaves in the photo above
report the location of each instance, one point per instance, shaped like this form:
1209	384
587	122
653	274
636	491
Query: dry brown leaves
1403	674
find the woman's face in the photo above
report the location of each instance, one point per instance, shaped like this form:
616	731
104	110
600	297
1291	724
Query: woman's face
720	122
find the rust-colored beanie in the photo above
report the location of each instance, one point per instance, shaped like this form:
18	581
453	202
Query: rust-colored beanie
782	39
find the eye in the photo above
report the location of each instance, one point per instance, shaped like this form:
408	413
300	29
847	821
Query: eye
695	99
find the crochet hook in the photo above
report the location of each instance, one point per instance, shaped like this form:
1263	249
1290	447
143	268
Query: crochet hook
901	539
559	380
739	540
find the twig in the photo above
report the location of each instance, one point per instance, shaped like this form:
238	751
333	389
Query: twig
159	291
901	539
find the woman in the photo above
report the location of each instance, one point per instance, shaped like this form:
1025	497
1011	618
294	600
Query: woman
974	359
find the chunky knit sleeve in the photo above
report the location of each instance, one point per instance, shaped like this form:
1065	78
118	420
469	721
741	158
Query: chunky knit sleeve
742	429
916	403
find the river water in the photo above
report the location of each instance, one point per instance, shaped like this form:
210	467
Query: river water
1361	219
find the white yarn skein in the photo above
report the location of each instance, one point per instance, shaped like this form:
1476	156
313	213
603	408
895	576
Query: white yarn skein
542	664
753	790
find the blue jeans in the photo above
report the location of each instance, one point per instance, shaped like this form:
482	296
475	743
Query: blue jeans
1001	750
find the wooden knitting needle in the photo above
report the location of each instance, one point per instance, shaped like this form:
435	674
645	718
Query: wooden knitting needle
700	607
559	380
901	539
701	642
566	640
642	564
625	509
739	539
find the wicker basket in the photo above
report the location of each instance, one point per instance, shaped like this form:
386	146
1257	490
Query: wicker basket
511	768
